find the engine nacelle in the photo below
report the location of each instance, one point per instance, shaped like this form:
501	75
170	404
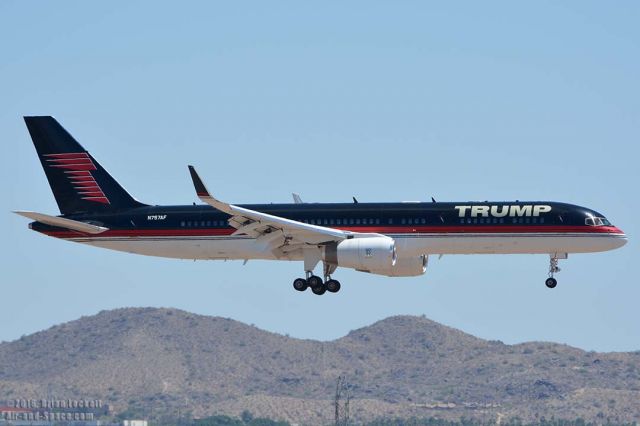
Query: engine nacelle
405	267
362	254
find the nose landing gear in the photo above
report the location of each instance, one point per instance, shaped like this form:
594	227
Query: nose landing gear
551	282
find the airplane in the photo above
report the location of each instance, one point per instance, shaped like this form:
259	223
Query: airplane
390	239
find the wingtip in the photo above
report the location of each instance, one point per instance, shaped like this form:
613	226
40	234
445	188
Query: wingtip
201	189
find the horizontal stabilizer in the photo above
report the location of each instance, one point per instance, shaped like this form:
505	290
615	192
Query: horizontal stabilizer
64	223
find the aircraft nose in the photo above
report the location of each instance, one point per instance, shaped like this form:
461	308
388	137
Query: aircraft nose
620	235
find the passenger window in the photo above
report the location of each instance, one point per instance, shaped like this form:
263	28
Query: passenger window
475	220
410	221
350	221
542	220
468	220
423	221
338	221
501	220
189	224
527	220
358	221
182	224
515	220
330	221
377	221
390	221
462	220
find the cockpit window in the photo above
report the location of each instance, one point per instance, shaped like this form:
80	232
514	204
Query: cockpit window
597	221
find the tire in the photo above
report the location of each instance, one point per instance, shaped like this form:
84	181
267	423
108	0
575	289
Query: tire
551	282
300	284
314	281
333	286
319	290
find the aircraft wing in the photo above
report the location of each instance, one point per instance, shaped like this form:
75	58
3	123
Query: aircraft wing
61	222
278	231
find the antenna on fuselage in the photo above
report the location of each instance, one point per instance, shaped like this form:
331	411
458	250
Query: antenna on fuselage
433	199
354	200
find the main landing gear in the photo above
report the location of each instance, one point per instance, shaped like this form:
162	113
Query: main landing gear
312	256
553	268
317	285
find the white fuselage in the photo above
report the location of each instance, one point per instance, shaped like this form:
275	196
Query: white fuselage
408	244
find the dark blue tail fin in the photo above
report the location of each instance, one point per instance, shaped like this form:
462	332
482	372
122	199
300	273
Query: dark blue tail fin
77	180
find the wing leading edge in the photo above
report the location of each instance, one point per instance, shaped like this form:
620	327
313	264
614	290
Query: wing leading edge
260	225
283	236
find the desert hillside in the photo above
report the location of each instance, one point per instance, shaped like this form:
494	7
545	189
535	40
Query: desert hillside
156	361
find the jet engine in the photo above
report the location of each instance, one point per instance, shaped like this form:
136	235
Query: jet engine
362	254
405	267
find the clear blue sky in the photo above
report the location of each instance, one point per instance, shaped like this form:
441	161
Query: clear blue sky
387	101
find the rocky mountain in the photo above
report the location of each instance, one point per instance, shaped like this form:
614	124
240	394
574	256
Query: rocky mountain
159	361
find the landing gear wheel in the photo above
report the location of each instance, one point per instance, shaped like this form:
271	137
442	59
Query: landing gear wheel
551	282
319	290
314	281
300	284
333	286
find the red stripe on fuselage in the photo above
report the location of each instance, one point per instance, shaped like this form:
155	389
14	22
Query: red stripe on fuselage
497	230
